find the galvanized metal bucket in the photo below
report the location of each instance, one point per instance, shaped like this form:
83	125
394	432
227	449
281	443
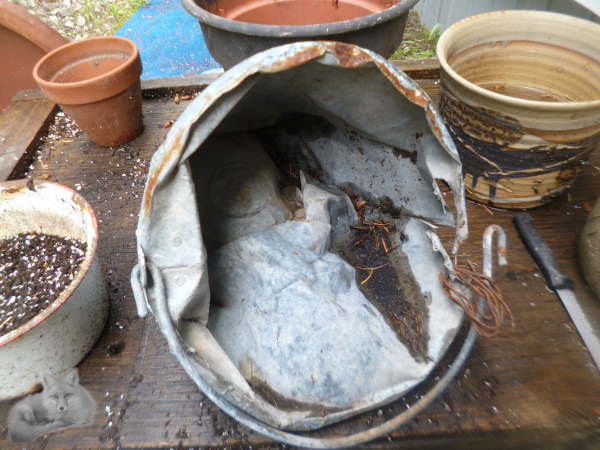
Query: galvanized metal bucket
247	247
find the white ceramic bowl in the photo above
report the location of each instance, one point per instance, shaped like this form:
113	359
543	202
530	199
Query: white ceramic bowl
57	338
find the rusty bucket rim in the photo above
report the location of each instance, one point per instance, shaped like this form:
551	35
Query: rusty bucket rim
443	44
92	235
297	31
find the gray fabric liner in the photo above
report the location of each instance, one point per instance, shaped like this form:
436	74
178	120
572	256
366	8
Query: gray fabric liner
333	316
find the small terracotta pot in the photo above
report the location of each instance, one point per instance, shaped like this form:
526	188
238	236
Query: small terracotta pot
521	98
97	82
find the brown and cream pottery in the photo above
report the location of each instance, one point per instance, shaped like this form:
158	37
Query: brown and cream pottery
521	98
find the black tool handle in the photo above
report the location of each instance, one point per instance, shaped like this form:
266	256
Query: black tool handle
541	253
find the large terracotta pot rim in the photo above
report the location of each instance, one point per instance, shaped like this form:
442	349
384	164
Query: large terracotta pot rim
508	15
294	31
18	20
123	75
14	188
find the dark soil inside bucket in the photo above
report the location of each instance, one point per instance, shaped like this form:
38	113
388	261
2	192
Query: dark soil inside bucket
286	403
383	275
34	270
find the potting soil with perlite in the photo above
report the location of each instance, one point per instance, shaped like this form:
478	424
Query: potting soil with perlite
34	270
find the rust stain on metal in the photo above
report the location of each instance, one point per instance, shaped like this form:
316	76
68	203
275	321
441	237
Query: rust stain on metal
296	59
501	251
153	177
433	122
349	55
416	95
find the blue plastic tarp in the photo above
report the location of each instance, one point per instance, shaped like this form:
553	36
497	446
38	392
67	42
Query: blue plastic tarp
169	40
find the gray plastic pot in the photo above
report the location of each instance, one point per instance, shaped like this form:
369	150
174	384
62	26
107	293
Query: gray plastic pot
231	41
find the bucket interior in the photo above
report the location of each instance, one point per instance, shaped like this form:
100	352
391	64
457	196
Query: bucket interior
313	265
249	183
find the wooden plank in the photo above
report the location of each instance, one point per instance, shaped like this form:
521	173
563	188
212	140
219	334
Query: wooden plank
22	122
175	83
420	69
534	386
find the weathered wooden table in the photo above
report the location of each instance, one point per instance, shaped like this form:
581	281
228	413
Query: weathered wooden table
533	387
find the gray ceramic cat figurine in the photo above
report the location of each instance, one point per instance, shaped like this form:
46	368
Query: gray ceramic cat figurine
63	403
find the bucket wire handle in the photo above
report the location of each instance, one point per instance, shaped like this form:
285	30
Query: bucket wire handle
488	243
166	324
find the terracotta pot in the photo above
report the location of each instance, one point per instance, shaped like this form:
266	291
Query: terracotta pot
97	82
24	39
521	98
58	337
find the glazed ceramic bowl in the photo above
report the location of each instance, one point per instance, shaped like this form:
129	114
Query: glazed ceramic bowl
58	337
521	98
